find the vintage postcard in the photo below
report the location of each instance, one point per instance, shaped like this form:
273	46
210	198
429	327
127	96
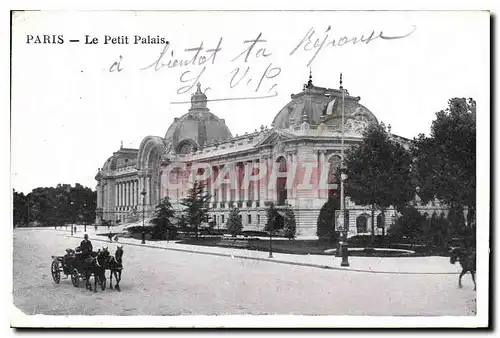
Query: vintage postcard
250	168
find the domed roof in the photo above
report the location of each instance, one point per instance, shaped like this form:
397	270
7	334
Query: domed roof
122	157
197	127
317	104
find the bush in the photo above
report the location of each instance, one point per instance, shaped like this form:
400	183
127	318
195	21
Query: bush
234	224
166	232
325	226
217	232
254	233
139	228
290	224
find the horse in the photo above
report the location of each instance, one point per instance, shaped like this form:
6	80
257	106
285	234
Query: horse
467	259
115	265
95	265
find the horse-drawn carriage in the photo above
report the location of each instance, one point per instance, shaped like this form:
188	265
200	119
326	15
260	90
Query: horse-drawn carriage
80	266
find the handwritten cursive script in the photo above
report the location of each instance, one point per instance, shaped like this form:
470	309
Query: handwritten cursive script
314	43
198	58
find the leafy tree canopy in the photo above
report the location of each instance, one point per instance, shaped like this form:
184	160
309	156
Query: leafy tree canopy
445	162
55	205
378	170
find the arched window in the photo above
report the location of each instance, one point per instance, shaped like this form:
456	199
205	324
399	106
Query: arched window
380	221
333	167
362	223
186	147
281	181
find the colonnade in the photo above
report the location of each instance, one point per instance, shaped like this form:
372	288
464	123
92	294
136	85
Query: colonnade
127	193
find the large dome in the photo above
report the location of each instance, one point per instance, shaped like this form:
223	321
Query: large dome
197	127
315	104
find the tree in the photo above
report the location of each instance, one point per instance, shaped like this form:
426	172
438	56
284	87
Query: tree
326	220
234	224
47	206
272	224
196	206
409	224
378	172
162	219
290	224
20	208
445	162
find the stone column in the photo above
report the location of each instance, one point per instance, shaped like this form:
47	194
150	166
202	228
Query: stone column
131	186
99	199
116	194
290	168
256	184
262	183
213	191
247	188
237	193
132	193
137	191
321	190
125	194
271	194
295	163
149	191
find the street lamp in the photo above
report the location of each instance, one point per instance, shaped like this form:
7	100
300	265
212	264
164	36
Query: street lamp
71	225
84	221
344	246
143	193
271	244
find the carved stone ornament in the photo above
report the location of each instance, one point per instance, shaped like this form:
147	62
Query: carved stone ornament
357	122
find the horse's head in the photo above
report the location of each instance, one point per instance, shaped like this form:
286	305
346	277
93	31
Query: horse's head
103	253
119	252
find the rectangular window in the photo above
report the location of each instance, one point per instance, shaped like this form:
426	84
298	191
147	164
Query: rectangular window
249	219
222	219
258	219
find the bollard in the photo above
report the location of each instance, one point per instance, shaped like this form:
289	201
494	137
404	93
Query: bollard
345	254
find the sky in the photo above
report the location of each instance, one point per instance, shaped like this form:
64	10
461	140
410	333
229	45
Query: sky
71	107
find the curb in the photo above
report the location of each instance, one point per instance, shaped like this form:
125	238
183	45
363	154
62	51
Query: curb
279	261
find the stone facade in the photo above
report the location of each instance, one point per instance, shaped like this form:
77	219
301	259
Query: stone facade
300	153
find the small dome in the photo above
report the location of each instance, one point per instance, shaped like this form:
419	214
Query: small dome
120	158
197	127
315	104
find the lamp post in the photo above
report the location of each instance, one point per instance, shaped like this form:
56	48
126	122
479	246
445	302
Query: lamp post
143	193
71	225
343	176
271	244
84	221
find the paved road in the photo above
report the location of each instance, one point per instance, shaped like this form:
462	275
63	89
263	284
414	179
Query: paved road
159	282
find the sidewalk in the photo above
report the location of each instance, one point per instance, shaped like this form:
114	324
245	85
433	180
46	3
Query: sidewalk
384	265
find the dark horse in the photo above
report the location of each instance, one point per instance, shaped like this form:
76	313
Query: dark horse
96	265
467	259
115	265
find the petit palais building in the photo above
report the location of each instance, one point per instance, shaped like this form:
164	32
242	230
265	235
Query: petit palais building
292	164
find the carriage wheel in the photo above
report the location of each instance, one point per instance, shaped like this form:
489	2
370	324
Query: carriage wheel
56	272
75	278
